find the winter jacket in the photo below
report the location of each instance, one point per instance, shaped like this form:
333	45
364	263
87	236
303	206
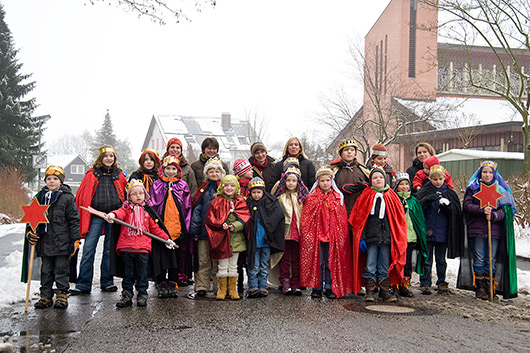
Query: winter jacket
198	169
138	242
188	175
266	173
436	215
147	177
87	190
57	236
376	230
306	168
412	170
349	173
200	209
477	225
421	178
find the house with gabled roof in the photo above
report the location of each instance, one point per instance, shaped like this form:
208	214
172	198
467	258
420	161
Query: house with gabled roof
235	137
74	167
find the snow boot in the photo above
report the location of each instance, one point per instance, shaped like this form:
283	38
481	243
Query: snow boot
443	288
404	288
141	302
384	291
172	289
369	284
61	300
163	290
125	300
43	303
232	288
221	294
487	286
480	291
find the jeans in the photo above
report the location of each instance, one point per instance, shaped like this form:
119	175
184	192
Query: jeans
86	268
377	261
440	250
54	269
325	273
135	268
481	260
257	276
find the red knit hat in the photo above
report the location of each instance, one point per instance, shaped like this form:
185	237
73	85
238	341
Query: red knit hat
433	160
241	166
172	141
379	150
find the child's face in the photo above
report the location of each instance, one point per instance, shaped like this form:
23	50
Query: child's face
210	151
378	180
324	183
260	156
108	159
136	195
53	183
348	154
256	194
149	162
294	147
404	186
380	161
426	169
213	174
175	150
487	174
422	154
291	183
437	180
248	175
229	189
171	171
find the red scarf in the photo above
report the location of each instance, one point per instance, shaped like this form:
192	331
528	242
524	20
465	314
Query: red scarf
260	166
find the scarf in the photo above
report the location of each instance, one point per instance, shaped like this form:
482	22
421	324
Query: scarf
260	166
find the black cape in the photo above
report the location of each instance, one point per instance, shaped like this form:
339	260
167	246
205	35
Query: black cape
455	237
272	219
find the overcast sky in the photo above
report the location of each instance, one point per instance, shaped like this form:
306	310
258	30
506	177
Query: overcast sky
272	57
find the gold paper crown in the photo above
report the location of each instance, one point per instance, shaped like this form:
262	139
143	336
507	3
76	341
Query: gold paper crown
256	183
325	170
491	164
170	160
106	149
293	169
133	183
437	168
152	151
54	170
347	143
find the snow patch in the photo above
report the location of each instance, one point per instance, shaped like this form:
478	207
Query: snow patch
11	289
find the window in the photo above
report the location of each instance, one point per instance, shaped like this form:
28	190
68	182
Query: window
77	169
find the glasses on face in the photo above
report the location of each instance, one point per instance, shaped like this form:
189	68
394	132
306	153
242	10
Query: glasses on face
54	170
136	194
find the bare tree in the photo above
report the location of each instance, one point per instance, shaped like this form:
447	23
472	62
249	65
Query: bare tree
72	144
257	125
161	11
504	27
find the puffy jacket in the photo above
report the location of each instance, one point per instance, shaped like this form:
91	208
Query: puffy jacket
197	227
436	217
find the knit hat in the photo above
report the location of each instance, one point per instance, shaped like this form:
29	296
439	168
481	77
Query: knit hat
399	177
431	161
214	163
256	182
241	166
347	143
325	170
152	153
133	183
256	146
173	140
373	171
55	170
171	160
291	161
379	150
437	169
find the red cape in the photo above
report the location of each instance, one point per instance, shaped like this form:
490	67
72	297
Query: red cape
85	193
316	219
217	214
398	231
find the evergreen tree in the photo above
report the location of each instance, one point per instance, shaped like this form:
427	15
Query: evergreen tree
19	132
104	136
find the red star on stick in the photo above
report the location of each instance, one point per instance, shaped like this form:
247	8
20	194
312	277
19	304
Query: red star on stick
488	195
34	214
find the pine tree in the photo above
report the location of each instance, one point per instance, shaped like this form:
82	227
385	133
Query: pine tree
19	132
104	136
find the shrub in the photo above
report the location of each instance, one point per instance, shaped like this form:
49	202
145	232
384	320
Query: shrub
14	194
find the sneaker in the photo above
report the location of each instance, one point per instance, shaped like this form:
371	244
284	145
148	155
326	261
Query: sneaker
263	293
141	302
316	293
61	300
110	289
125	301
43	303
200	293
426	290
77	291
253	293
329	294
172	289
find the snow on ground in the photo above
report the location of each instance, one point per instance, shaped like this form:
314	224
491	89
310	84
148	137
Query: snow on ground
11	289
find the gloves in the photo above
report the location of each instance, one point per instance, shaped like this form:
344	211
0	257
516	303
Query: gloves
444	201
74	245
32	237
171	244
110	217
353	188
362	245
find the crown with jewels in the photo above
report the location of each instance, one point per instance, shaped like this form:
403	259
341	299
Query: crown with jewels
347	143
256	183
491	164
133	183
437	168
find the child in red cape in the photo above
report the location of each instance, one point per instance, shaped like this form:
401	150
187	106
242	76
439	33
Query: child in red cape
325	254
384	255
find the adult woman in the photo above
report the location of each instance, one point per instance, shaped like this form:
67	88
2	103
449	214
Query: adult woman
423	150
174	147
293	148
262	164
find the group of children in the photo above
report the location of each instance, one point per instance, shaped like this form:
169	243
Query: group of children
356	227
